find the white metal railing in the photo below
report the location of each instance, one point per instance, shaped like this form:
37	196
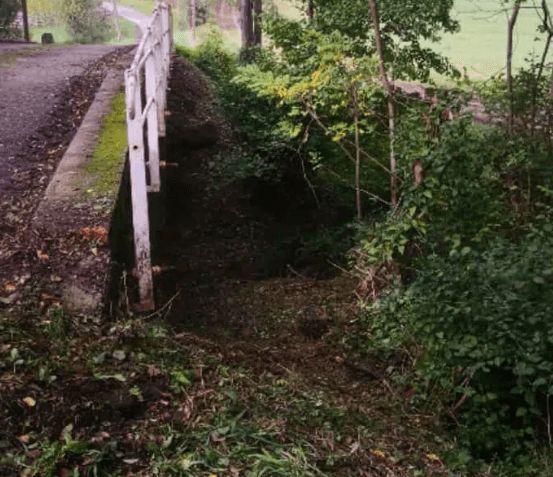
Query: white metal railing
145	91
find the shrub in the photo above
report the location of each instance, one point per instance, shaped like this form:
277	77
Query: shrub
260	151
8	12
86	24
45	12
482	321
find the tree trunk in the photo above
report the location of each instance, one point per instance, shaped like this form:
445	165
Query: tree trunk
246	22
193	21
389	100
25	21
310	10
509	75
117	22
258	10
548	27
354	100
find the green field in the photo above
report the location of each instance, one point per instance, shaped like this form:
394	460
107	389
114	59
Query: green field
481	44
62	36
479	47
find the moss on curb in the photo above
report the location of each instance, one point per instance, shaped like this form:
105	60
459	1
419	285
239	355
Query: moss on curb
107	159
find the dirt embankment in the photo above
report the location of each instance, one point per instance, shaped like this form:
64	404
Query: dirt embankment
238	274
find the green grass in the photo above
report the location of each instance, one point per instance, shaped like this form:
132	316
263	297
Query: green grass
63	37
289	9
481	44
107	159
128	33
231	38
60	33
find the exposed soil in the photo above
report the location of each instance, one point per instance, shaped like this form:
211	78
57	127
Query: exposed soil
236	281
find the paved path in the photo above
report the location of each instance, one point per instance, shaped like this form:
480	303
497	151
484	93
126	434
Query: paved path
30	89
138	18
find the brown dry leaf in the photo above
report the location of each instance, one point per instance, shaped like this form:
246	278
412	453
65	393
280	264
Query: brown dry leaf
153	371
42	256
98	233
29	401
25	439
34	453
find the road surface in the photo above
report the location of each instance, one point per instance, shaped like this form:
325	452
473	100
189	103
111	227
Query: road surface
30	90
138	18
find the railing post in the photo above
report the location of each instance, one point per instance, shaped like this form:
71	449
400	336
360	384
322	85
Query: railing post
152	116
160	86
139	194
154	55
166	46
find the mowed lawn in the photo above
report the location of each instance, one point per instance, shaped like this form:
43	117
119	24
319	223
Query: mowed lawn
62	36
480	46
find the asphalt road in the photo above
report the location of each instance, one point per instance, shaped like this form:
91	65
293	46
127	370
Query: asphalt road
138	18
30	89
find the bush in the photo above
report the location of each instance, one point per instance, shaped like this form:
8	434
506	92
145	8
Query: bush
482	321
260	151
85	23
8	13
45	12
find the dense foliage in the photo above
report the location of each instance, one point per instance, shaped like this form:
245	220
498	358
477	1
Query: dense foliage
8	12
458	274
45	12
85	22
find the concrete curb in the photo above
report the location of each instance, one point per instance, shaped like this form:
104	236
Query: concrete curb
65	211
66	187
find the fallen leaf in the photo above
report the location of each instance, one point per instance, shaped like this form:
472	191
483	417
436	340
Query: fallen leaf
34	453
29	401
42	256
9	287
24	278
25	439
153	371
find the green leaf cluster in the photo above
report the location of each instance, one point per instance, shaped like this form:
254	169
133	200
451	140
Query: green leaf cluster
85	23
482	323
